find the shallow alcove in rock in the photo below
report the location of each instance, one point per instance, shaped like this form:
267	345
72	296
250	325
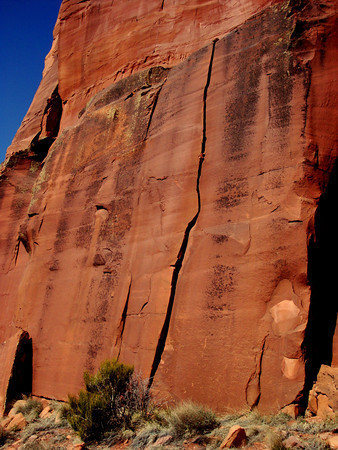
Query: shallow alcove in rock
20	381
50	125
317	345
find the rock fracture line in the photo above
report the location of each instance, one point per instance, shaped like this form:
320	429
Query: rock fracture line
180	257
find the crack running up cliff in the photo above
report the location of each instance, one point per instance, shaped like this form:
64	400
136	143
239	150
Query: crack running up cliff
122	325
180	257
322	250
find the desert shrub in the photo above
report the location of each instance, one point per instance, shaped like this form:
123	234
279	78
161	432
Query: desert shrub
190	418
110	399
159	416
30	408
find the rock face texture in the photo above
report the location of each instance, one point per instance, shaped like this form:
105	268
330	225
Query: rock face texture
170	199
323	398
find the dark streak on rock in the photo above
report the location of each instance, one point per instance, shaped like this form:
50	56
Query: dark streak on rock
307	86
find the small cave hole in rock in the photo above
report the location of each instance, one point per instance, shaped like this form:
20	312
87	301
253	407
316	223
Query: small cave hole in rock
40	147
20	382
317	346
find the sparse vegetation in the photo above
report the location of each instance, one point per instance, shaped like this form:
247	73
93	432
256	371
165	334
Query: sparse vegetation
303	426
30	408
114	409
110	399
36	427
190	418
148	435
275	442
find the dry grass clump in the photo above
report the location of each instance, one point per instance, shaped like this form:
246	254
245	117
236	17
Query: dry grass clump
301	425
30	408
184	421
190	418
148	435
275	441
39	425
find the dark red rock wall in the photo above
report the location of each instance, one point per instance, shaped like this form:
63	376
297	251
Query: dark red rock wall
168	225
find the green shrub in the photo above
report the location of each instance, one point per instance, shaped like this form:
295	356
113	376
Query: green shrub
110	399
190	418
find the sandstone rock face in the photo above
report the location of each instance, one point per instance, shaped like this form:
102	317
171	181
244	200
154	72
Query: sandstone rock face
323	398
161	208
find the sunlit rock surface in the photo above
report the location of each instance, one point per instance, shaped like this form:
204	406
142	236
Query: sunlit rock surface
158	201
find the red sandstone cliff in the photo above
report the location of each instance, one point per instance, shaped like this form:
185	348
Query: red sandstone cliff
169	200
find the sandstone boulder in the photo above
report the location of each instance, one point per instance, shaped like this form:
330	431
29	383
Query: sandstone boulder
163	440
235	438
46	412
18	422
292	410
293	442
332	441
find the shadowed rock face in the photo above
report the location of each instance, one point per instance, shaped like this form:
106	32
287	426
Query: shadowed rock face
165	219
16	355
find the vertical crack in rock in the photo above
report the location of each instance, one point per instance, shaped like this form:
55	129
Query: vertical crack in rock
180	257
317	345
255	380
162	4
157	94
122	325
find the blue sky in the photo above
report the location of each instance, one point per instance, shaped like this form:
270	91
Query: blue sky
26	33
